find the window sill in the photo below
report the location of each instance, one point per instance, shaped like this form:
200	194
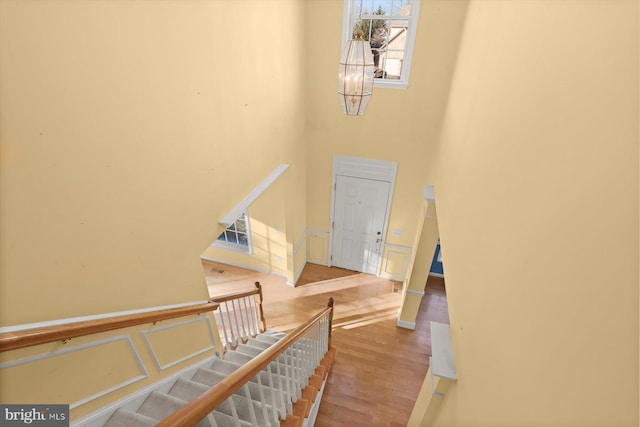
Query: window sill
390	84
241	249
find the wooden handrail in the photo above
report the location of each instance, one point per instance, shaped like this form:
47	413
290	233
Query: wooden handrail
31	337
236	295
194	411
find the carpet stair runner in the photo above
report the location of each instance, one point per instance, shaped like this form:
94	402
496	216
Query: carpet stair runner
251	405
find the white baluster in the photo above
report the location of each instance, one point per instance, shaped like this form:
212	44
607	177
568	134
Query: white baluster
297	360
234	341
314	347
234	412
252	412
248	316
235	316
289	377
275	410
325	335
254	315
265	414
284	398
224	330
304	359
212	420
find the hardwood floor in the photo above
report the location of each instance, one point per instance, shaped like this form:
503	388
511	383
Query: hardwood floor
379	368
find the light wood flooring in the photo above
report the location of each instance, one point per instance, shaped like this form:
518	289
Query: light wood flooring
379	368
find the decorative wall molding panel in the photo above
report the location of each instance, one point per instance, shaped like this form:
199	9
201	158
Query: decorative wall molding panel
114	372
318	247
173	347
395	262
133	401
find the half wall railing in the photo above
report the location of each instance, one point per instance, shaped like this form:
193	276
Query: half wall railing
31	337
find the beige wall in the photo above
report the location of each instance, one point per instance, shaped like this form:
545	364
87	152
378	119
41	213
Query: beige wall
128	130
536	178
396	126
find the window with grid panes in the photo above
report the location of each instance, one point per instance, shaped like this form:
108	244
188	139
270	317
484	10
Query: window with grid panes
390	28
237	236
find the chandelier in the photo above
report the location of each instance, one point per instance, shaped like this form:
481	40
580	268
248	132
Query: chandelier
355	76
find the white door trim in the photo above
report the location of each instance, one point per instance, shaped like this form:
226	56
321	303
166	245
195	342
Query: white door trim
357	167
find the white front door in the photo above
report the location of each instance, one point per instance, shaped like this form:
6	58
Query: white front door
359	215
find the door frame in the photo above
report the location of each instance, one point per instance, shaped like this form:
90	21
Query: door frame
357	167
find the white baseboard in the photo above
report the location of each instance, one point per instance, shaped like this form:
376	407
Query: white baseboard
393	277
406	325
436	274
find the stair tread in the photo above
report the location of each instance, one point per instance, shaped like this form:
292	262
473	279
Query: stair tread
248	349
224	366
236	356
189	390
208	377
267	338
291	421
224	420
125	418
160	405
259	344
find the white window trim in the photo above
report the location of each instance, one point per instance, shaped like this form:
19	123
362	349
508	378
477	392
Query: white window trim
403	83
237	247
233	247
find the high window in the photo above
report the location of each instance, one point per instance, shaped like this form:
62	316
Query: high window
390	28
237	237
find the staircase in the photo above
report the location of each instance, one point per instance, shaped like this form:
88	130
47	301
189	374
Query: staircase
264	378
256	377
281	394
